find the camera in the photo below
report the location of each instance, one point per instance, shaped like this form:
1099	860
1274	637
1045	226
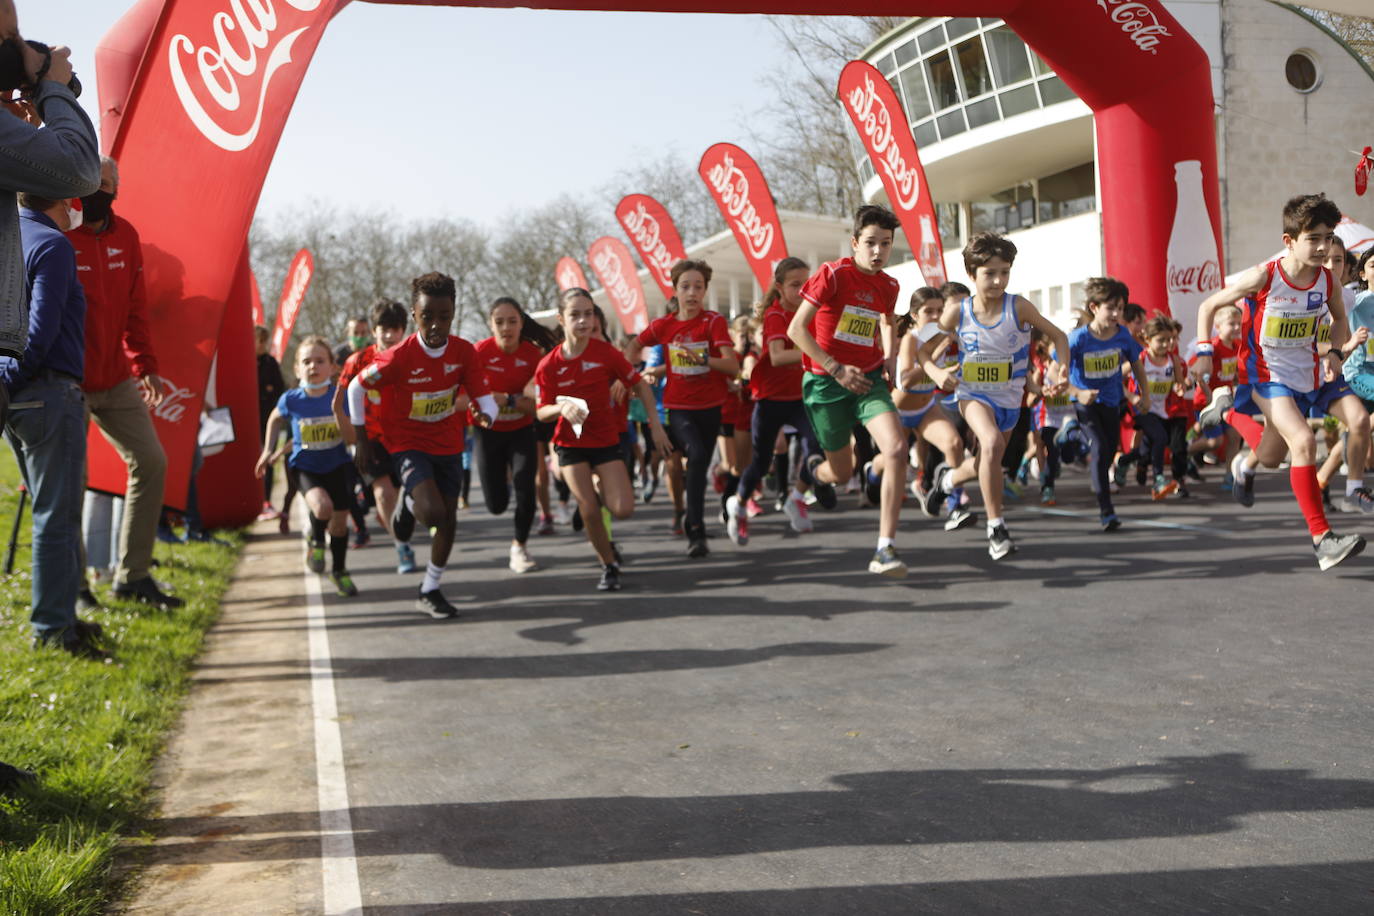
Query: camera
12	73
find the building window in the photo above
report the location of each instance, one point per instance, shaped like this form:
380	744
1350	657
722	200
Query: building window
1018	101
914	85
973	67
932	39
1056	299
1067	193
1301	71
1008	54
947	219
951	124
1005	211
980	113
905	53
944	91
1053	90
925	134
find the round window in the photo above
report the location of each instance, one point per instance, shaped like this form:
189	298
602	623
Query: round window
1301	71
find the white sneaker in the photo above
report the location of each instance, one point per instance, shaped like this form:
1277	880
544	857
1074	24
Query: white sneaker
795	510
520	561
562	515
736	522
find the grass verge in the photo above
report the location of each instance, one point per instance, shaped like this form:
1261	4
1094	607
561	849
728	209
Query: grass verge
90	730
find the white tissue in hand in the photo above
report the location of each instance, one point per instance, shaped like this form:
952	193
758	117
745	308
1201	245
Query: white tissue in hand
578	403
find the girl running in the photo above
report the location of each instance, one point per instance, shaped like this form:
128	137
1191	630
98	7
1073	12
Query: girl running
736	416
575	381
1156	429
319	458
508	453
701	356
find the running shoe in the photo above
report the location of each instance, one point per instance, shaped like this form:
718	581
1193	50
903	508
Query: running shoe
647	489
1243	490
1227	481
770	482
1047	495
999	543
1194	472
736	522
1023	472
343	584
1010	488
545	525
959	517
885	562
405	559
268	513
402	521
1066	432
577	519
314	556
463	503
873	489
361	538
696	547
1111	523
825	492
1359	501
1333	548
1123	463
795	510
677	523
610	579
753	509
939	482
615	552
1182	492
562	514
436	605
520	561
780	502
283	525
1214	414
724	510
1141	474
717	479
1163	489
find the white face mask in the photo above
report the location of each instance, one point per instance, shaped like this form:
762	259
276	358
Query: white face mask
74	214
309	387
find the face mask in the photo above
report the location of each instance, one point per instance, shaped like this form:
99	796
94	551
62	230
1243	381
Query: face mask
97	206
358	342
74	214
309	387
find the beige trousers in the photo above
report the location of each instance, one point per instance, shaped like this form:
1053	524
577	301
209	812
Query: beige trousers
127	425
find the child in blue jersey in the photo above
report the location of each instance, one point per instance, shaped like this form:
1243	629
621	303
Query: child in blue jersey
318	456
993	330
1097	352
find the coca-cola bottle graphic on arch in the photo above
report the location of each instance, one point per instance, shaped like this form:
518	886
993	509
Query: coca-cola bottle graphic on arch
1194	265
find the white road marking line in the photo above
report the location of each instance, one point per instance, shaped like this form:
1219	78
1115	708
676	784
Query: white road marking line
1129	521
338	858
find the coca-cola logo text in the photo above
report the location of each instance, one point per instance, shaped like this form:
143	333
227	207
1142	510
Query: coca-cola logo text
175	400
218	69
732	189
871	114
1195	278
568	278
608	267
644	232
1138	21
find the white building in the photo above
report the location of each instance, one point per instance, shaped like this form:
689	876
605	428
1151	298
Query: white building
1006	146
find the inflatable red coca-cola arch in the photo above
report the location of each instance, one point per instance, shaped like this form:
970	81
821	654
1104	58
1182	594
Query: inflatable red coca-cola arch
194	95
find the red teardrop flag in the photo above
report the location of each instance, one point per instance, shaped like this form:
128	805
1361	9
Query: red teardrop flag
737	185
615	268
651	231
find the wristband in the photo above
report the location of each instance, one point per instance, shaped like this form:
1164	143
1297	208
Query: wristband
1204	349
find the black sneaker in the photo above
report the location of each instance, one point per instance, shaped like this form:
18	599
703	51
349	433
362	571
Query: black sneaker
436	605
402	522
1333	548
999	543
146	590
615	551
825	492
696	546
936	495
86	601
873	490
89	629
75	642
577	519
610	578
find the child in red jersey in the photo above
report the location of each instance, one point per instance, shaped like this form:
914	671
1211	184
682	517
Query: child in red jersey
388	328
508	453
1219	436
847	306
575	381
701	358
423	381
1280	373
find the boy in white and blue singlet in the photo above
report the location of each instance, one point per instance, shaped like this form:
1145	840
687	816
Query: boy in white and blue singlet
993	329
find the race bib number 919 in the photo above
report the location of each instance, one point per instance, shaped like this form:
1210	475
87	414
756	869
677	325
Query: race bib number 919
984	373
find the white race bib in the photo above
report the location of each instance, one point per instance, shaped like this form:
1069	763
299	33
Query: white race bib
857	326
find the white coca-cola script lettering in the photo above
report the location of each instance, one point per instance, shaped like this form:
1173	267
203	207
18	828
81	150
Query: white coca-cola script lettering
1194	278
608	268
1138	21
644	231
175	400
568	279
871	114
220	68
732	187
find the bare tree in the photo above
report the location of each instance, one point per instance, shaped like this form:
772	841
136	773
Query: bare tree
1356	31
673	181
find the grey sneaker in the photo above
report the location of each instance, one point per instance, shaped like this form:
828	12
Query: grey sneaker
1359	501
436	605
1243	485
885	562
939	490
1333	549
1214	414
610	579
959	517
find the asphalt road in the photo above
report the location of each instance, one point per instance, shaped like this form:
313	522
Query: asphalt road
1164	720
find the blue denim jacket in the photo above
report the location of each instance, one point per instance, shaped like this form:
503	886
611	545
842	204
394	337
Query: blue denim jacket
61	159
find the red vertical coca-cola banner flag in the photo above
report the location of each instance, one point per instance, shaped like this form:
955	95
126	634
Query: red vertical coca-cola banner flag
615	268
293	292
871	104
739	190
197	126
259	313
651	230
569	275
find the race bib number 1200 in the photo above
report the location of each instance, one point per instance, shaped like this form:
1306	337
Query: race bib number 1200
857	326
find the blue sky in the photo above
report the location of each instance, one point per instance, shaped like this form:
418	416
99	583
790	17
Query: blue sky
470	112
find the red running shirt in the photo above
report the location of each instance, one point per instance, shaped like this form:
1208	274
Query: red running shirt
588	376
850	305
776	383
419	410
508	373
354	366
690	387
1225	370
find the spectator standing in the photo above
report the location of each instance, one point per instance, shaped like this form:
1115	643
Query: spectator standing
271	385
359	336
121	381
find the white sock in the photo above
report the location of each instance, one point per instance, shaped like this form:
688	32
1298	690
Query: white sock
1245	469
993	523
798	495
432	574
1352	484
410	504
886	542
